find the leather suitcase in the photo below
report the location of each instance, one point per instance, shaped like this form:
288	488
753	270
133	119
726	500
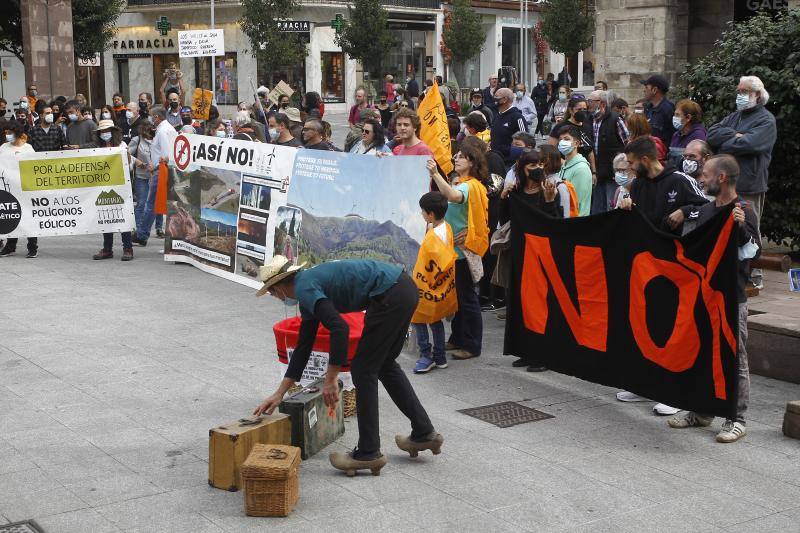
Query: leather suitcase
313	426
230	444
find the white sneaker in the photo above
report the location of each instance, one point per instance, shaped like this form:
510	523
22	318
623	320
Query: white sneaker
731	432
625	396
688	420
663	409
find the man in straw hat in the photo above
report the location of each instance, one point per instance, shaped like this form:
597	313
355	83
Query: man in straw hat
389	297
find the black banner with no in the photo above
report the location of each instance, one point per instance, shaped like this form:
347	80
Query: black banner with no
612	300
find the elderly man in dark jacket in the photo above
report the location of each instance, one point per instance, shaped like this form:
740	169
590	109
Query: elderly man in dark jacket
748	134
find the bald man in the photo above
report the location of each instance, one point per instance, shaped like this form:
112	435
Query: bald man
508	121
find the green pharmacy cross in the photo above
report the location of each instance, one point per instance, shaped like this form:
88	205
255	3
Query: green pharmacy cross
338	23
163	25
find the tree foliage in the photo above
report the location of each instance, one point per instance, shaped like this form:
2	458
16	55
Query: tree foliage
11	29
763	46
463	35
567	25
94	24
272	47
365	37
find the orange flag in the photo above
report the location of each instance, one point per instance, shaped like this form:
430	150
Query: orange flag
160	205
434	131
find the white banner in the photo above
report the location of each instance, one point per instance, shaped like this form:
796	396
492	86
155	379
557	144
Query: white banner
73	192
198	43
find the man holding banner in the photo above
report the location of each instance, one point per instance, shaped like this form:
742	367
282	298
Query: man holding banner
719	175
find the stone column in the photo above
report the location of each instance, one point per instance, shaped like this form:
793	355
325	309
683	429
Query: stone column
637	38
48	47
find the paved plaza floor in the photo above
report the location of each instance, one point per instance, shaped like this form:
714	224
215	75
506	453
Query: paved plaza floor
111	374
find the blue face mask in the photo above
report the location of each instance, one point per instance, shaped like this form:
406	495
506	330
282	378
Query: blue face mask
515	152
565	147
742	101
676	123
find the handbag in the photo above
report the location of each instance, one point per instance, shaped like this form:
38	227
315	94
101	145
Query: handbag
501	239
475	263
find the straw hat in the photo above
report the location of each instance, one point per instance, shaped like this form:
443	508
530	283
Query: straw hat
277	269
293	113
106	125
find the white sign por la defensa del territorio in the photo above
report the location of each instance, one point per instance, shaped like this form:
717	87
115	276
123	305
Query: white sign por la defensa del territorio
199	43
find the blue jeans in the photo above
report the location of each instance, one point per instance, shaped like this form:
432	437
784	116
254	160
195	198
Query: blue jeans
421	331
141	188
143	228
467	326
602	196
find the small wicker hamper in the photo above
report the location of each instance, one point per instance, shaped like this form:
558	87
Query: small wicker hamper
270	477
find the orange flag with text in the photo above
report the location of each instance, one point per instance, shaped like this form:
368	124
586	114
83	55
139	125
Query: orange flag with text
434	131
435	277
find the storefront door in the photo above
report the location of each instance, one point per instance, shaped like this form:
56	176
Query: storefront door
332	77
225	76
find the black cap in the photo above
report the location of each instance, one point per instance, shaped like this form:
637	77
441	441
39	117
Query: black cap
657	80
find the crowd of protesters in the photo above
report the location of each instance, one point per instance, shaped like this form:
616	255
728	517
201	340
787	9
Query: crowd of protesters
595	153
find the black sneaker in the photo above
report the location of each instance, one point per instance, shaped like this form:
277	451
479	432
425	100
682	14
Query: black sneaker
160	234
136	240
32	254
5	252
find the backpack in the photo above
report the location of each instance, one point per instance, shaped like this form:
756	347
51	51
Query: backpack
573	198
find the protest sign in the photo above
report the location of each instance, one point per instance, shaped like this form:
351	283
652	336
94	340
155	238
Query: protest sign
73	192
612	300
233	204
199	43
201	103
434	131
280	89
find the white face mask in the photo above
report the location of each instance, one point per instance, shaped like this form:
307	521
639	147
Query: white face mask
221	133
106	136
48	118
129	114
10	138
562	97
23	104
73	117
565	147
273	133
519	94
743	101
676	123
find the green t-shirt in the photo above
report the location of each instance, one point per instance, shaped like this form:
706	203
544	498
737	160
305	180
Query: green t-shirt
457	215
348	284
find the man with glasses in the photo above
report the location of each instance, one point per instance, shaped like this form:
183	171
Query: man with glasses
610	137
312	136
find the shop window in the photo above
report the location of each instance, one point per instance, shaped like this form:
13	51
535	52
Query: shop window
163	64
225	77
293	75
332	77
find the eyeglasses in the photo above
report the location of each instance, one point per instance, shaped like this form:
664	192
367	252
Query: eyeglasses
366	132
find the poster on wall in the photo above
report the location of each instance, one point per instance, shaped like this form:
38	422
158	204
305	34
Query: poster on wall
74	192
232	205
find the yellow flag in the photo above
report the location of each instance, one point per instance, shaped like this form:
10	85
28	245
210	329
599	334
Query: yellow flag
435	276
201	103
434	131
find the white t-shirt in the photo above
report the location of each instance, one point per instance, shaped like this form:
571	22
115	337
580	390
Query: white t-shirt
9	149
441	232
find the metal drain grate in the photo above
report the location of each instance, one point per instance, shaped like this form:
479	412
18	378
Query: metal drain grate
506	414
28	526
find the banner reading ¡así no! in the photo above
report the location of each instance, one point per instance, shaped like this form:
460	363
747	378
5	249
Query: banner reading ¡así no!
612	300
73	192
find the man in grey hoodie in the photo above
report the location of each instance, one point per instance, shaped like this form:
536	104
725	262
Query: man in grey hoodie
748	134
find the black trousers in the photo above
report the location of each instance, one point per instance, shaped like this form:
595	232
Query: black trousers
385	327
33	244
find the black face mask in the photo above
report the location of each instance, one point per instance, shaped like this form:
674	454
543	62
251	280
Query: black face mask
2	113
187	121
581	116
284	105
537	174
174	105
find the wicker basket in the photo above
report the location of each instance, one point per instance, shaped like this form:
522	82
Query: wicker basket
270	477
349	403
